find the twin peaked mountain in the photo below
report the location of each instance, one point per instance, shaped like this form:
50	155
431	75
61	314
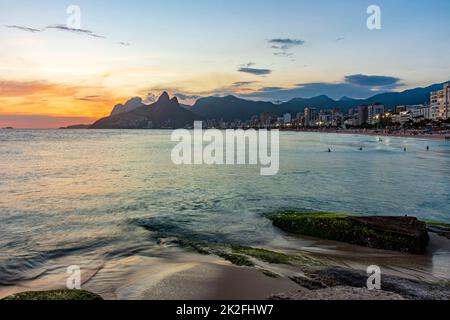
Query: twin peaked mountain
168	113
164	113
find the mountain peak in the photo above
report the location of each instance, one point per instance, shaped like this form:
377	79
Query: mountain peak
164	97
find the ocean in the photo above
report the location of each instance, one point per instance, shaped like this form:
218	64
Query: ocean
86	197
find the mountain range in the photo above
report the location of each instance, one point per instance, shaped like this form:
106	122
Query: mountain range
164	113
230	108
168	113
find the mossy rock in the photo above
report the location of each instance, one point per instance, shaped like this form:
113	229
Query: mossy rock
55	295
245	256
404	234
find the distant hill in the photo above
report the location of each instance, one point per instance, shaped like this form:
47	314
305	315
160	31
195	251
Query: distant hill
165	113
130	105
231	108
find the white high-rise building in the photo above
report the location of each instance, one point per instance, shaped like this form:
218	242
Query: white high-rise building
440	103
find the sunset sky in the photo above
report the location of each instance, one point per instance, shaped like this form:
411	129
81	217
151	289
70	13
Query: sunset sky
271	50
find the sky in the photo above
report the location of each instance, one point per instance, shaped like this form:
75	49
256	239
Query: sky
54	72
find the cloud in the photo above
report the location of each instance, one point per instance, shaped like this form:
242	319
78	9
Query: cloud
255	71
73	30
183	96
11	88
90	98
126	44
373	81
355	86
284	45
23	28
243	83
340	39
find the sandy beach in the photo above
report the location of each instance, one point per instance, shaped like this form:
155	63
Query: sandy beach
180	274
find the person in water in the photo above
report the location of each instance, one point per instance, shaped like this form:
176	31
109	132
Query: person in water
428	148
329	150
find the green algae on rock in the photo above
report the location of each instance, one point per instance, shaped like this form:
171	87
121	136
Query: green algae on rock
246	256
55	295
404	234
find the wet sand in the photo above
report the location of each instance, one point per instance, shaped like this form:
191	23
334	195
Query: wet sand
190	276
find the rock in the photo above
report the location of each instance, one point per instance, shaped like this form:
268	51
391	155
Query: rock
338	293
55	295
317	279
441	229
404	234
165	113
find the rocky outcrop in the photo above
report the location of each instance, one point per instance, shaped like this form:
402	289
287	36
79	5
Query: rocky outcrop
441	229
338	293
165	113
336	283
404	234
55	295
130	105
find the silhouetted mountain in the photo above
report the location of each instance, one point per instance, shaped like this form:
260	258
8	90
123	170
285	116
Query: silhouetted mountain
230	108
165	113
130	105
299	104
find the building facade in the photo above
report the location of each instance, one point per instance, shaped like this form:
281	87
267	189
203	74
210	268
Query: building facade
440	103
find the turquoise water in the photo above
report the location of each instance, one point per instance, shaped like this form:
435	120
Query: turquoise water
87	194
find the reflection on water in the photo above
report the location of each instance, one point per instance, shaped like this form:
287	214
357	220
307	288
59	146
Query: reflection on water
83	196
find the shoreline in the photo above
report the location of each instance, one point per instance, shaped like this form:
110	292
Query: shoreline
366	132
187	275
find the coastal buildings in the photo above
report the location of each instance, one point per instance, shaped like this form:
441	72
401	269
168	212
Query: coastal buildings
310	116
363	115
374	112
440	103
287	118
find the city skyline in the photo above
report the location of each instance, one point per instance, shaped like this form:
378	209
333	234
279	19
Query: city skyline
55	76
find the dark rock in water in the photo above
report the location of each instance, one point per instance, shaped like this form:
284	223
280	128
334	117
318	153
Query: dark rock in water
319	279
165	113
404	234
338	293
55	295
441	229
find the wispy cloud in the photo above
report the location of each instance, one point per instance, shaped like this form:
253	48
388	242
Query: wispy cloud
183	96
73	30
23	28
243	83
90	98
65	28
283	46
